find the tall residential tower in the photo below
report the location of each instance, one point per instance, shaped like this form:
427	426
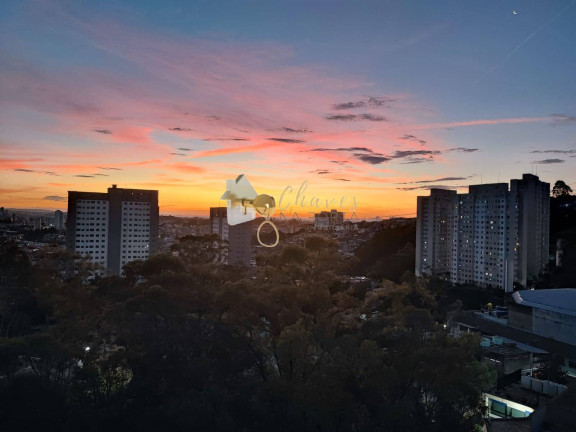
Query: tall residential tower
489	237
113	228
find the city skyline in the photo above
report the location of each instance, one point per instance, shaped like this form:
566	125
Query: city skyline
374	100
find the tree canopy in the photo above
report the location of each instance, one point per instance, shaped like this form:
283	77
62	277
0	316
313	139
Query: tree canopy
290	345
561	189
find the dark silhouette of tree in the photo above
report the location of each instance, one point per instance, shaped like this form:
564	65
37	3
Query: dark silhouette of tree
551	370
191	344
561	189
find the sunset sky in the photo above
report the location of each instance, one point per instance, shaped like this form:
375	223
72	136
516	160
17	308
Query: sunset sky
372	100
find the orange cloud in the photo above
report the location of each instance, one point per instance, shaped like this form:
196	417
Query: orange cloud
186	168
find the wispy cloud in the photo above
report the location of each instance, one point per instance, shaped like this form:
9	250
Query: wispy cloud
103	131
355	117
295	131
225	139
26	170
549	161
180	129
369	156
462	149
412	188
555	151
516	120
413	138
363	154
110	168
417	160
370	102
371	159
55	198
410	153
441	179
562	119
286	140
187	168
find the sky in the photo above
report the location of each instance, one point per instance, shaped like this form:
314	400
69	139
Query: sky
350	104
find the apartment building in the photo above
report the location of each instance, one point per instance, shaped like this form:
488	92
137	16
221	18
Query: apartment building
113	228
490	236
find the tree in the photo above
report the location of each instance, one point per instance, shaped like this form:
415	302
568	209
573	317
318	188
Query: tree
201	249
561	189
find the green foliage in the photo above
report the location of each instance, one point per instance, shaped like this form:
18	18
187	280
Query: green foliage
201	249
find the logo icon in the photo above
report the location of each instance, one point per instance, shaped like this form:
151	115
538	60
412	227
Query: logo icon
243	203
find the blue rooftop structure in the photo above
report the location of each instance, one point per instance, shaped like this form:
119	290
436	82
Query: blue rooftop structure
561	300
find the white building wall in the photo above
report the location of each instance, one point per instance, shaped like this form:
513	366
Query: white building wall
554	325
92	230
488	237
135	231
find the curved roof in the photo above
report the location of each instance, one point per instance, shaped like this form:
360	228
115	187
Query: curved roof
561	300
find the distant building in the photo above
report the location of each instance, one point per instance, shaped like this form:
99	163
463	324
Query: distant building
529	227
58	219
328	220
219	222
239	236
489	236
113	228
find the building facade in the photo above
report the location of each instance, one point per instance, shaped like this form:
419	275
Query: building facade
549	313
113	228
490	236
59	220
219	222
239	236
328	220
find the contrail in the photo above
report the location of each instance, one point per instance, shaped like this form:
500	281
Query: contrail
517	47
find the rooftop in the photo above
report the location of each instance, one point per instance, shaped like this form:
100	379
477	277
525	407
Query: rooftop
562	300
527	338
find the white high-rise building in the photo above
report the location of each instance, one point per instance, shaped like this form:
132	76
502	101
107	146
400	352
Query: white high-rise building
113	228
488	237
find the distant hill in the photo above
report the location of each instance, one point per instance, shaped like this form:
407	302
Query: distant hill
177	220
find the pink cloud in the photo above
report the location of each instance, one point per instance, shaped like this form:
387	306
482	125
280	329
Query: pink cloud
484	122
183	92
